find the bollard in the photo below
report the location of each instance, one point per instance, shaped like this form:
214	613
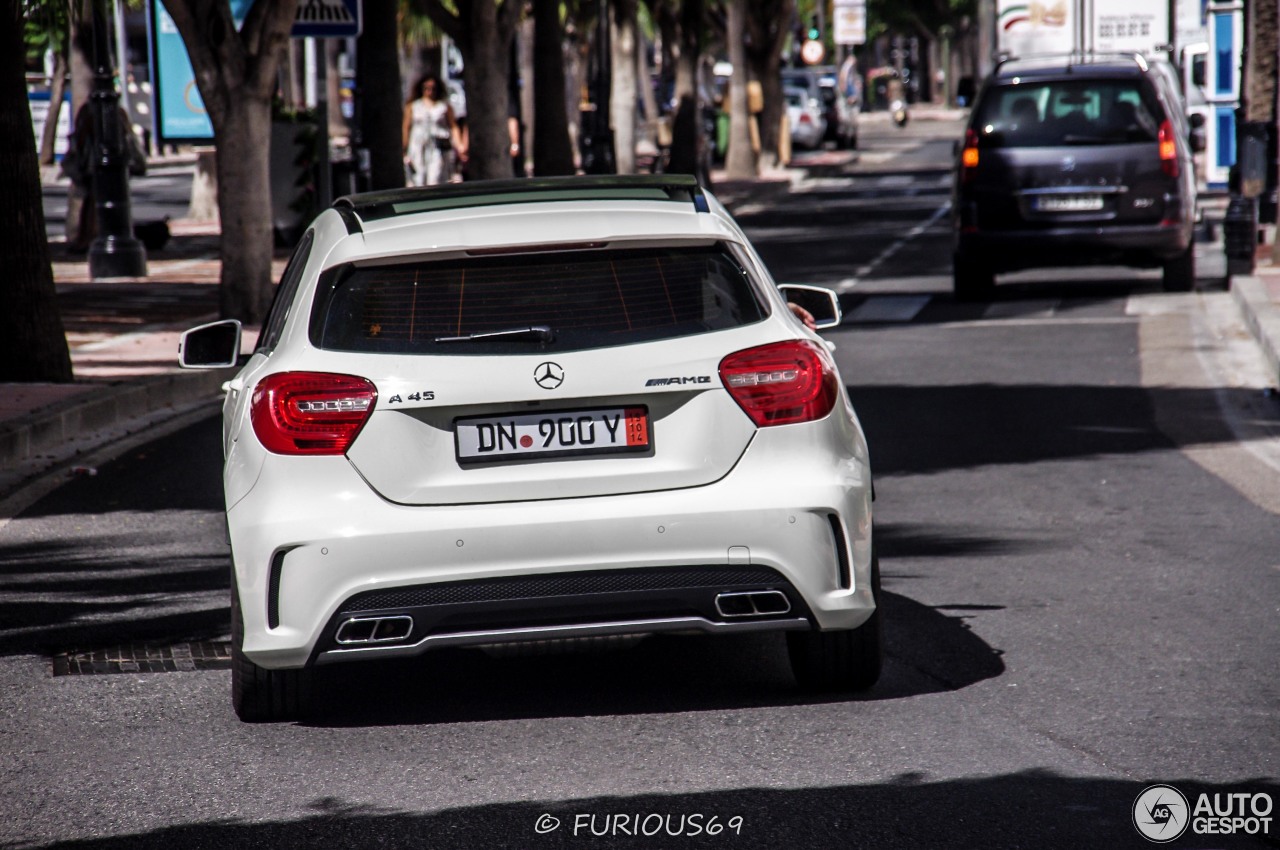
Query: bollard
1240	234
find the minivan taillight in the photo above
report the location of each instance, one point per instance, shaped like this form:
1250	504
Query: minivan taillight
1168	149
310	413
969	155
783	382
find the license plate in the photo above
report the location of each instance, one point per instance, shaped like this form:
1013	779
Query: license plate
561	433
1068	203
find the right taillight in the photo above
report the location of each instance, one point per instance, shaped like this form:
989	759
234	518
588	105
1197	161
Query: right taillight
782	383
969	155
1168	143
310	413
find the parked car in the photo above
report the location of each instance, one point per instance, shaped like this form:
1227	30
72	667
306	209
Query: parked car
1074	161
841	112
804	114
537	410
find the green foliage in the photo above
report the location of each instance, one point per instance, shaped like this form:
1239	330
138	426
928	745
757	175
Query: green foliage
47	27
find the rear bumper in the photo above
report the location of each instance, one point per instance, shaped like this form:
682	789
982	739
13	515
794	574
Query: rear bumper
310	536
1135	245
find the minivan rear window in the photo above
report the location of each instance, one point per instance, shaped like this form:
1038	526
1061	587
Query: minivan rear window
586	298
1067	112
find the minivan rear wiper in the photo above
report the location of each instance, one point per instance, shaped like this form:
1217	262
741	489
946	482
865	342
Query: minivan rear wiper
533	333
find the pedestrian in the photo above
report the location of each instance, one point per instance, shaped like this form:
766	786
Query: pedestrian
430	133
77	164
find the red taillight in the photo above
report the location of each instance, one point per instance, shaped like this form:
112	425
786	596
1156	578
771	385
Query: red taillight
783	382
1168	149
969	156
310	413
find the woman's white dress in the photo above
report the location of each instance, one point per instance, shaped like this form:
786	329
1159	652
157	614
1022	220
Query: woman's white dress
428	163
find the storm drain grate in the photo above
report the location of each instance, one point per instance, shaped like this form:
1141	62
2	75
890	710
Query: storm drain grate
145	658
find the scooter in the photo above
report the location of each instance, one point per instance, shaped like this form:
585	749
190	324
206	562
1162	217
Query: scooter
898	108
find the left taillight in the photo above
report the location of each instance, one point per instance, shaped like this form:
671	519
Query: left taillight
969	155
782	383
1168	144
310	413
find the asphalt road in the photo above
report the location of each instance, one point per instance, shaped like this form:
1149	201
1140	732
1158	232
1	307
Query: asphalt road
1077	521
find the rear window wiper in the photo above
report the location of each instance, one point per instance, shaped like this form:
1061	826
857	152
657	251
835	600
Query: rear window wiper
533	333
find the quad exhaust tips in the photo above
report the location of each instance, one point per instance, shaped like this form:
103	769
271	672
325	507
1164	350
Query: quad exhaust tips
364	631
752	603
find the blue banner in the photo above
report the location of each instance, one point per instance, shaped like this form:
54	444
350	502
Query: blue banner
179	110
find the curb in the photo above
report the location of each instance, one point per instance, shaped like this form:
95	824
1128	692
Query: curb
1262	317
32	444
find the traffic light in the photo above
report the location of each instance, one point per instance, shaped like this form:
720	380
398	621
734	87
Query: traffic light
815	32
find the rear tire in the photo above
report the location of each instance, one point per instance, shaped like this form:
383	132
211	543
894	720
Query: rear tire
259	695
1180	271
841	661
972	281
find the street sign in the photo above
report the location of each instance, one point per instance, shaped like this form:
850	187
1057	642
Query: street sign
849	21
327	19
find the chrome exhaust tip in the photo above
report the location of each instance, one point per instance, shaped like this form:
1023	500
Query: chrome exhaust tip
752	603
363	631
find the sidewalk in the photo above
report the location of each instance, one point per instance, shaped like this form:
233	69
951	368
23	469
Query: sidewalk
123	335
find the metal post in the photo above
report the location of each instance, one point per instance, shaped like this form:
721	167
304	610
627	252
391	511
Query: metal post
324	181
115	252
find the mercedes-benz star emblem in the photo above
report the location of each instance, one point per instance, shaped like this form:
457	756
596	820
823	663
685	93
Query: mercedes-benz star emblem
548	375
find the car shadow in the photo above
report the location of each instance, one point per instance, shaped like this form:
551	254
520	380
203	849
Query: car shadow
928	650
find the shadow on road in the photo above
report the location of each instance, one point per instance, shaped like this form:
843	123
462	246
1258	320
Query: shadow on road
1030	809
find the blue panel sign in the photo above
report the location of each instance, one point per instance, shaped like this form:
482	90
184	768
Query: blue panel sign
179	111
327	19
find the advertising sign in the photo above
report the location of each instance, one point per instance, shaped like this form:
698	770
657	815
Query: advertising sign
179	111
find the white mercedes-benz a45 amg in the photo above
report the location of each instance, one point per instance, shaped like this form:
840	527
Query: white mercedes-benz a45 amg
537	410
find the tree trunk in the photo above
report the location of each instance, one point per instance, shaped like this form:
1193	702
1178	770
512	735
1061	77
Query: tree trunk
552	151
623	40
33	343
236	73
57	90
244	137
487	54
767	26
740	161
688	144
380	103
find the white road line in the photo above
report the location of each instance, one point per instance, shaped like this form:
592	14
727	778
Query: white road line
1031	309
895	247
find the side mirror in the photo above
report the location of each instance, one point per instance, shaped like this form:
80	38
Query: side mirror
212	346
822	303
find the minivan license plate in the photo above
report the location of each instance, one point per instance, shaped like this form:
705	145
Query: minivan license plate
1068	203
560	433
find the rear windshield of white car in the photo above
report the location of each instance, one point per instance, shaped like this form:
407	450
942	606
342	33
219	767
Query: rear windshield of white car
1063	113
571	300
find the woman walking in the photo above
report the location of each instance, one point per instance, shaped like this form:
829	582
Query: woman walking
430	134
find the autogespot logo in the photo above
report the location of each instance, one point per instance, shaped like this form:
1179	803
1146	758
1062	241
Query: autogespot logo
1161	813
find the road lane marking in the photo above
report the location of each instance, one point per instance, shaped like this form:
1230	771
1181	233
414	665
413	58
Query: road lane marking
893	248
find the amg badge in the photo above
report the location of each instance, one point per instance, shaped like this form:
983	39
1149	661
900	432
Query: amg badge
672	382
